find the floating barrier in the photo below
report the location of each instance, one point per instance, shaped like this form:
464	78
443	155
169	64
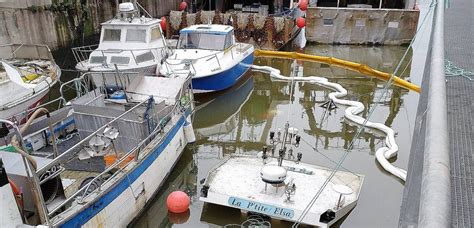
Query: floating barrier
358	67
351	113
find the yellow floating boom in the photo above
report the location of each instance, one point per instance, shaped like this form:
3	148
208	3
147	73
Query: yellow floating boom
358	67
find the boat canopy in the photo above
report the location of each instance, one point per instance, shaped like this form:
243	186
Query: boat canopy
208	37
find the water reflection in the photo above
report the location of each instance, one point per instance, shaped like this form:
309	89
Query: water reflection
239	120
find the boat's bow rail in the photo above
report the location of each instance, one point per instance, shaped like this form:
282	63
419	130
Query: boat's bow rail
91	56
25	51
29	73
207	64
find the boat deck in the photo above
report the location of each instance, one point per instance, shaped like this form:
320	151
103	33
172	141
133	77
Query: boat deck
239	177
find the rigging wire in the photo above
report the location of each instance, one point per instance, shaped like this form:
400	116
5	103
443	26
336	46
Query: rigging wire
361	129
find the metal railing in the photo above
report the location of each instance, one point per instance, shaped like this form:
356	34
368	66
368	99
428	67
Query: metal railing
25	51
171	71
435	200
82	54
104	178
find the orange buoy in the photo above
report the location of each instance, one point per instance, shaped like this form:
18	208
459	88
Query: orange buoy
300	22
163	23
178	202
179	218
303	5
182	6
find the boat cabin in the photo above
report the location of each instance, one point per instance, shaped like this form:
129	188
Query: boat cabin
207	37
132	42
128	40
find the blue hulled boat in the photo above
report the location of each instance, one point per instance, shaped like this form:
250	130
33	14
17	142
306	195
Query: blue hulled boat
211	55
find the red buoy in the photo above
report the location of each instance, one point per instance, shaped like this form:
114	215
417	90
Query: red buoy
303	5
182	6
177	202
300	22
163	23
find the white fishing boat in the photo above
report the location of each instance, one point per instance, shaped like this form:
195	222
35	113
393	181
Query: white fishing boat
131	42
280	186
27	72
211	54
98	161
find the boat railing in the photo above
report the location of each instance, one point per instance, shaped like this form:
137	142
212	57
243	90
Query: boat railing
119	167
21	115
240	49
82	54
25	51
191	63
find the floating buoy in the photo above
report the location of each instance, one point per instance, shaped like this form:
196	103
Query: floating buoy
163	23
177	202
182	6
300	22
303	5
179	218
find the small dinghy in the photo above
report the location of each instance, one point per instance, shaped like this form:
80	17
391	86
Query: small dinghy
27	72
210	54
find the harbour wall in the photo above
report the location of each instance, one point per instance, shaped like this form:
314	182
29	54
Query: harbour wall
58	23
265	32
329	25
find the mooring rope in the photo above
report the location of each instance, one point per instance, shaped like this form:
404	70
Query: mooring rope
452	70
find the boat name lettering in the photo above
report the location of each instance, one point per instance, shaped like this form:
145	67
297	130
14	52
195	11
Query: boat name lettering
260	207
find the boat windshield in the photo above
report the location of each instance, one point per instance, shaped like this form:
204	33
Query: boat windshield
208	41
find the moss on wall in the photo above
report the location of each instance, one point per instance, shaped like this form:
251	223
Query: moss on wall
68	21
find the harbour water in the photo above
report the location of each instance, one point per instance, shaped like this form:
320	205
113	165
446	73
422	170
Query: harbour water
238	121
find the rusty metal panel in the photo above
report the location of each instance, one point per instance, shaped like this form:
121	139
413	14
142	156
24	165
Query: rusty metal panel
361	26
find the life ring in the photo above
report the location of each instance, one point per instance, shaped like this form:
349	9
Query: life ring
17	192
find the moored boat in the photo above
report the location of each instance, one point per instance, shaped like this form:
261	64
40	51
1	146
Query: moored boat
211	54
27	73
131	42
279	185
99	160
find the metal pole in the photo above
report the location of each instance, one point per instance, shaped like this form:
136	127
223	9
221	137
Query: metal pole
32	178
435	200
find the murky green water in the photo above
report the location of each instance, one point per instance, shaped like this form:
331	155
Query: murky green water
239	120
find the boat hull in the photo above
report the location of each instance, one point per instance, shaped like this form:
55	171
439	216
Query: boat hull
123	202
222	80
17	112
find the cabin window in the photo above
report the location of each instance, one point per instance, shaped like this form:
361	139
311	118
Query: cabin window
136	35
208	41
97	59
145	57
112	34
229	40
155	33
119	60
